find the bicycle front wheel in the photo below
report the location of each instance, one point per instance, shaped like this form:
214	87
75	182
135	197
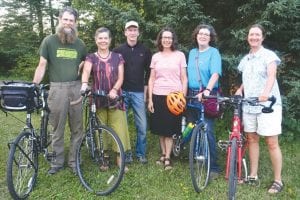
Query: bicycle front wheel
100	160
22	166
233	170
199	158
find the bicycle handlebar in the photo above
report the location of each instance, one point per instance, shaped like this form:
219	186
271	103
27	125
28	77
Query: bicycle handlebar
237	99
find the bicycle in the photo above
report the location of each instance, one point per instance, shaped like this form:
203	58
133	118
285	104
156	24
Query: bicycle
94	165
199	153
22	164
236	167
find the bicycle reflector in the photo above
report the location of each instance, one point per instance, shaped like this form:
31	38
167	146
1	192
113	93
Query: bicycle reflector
176	102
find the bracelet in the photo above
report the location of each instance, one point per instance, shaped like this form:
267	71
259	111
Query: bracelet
115	89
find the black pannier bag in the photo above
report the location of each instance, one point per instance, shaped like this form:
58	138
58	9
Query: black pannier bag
18	96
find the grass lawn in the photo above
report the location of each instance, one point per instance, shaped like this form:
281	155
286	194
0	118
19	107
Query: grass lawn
151	181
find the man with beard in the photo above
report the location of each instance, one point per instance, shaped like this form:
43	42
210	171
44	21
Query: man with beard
62	55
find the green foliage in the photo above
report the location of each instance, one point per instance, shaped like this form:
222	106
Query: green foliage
26	66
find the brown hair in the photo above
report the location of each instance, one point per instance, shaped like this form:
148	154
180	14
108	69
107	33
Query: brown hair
69	10
174	45
213	34
103	30
260	27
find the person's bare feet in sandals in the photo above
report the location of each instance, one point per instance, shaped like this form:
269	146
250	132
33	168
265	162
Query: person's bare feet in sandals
161	159
168	164
276	187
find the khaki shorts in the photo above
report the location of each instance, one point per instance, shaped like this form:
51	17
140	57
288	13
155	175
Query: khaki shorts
264	124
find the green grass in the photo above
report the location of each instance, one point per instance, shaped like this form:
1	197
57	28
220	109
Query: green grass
151	181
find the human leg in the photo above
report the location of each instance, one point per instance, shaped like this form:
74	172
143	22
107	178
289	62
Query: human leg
168	145
253	146
75	123
139	111
212	146
276	159
58	104
127	102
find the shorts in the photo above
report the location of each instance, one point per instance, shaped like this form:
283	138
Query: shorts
264	124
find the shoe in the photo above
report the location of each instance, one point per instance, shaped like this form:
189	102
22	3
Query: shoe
142	160
276	187
54	170
168	164
74	170
128	158
213	175
161	160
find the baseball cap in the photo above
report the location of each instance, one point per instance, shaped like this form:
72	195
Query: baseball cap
131	23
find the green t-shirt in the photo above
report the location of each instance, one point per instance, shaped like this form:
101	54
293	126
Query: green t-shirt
62	59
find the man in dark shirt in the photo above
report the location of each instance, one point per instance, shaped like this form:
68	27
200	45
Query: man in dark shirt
136	74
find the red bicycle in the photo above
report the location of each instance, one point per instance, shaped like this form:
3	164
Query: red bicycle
236	167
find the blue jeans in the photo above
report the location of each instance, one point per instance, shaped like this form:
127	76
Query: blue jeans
214	167
135	100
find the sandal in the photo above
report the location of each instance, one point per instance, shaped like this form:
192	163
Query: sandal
276	187
161	159
104	166
168	164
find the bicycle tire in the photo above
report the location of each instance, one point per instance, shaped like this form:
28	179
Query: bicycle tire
22	166
232	179
101	182
199	158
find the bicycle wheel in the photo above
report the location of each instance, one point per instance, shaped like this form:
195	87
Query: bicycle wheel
96	161
232	170
22	166
199	158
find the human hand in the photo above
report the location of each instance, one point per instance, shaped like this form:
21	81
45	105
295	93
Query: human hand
113	93
83	88
263	98
150	106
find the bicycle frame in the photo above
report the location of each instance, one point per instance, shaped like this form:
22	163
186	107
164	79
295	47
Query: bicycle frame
237	132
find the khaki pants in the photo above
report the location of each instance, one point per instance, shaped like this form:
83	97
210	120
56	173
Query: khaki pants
60	96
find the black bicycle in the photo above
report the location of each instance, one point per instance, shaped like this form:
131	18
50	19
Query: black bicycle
98	150
22	164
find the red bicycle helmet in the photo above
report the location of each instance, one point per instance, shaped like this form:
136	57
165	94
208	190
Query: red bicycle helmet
176	102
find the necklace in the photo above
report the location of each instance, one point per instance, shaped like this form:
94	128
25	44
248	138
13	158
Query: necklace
103	57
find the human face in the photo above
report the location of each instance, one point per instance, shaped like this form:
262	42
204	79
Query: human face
67	21
255	37
103	41
203	38
132	34
166	39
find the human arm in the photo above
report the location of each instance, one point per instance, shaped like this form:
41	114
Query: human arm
184	81
240	90
271	77
150	89
85	75
40	70
113	93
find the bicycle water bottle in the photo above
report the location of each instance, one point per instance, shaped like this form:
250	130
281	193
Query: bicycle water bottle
183	124
188	130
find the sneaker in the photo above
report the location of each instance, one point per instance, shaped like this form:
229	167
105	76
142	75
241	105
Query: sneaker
54	170
128	158
213	175
142	160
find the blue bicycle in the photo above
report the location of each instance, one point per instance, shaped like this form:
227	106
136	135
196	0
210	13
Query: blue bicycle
199	154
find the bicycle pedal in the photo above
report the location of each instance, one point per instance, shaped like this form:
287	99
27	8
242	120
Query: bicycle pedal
51	156
223	144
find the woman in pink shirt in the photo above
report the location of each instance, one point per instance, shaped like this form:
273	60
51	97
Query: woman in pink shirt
168	74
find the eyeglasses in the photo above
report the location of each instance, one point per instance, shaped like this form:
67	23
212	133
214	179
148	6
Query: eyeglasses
167	38
204	34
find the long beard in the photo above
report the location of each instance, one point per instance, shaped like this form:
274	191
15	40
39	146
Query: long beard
66	36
